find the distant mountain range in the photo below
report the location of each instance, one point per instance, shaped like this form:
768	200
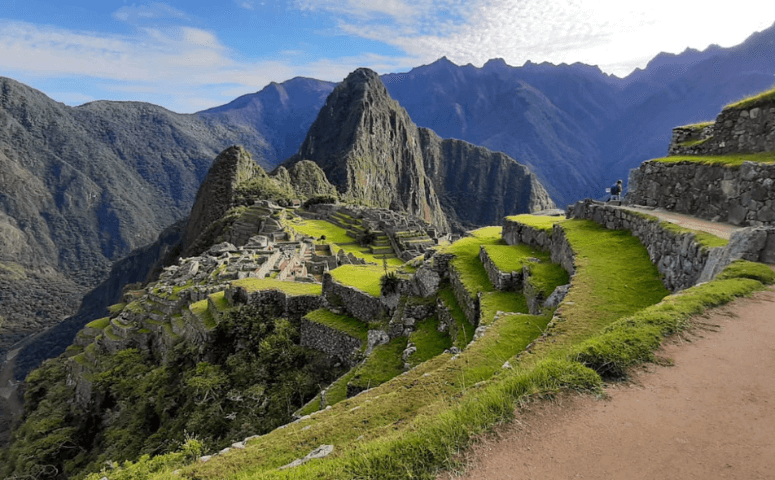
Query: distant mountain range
81	187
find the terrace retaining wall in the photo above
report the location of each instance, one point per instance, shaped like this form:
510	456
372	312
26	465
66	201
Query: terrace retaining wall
331	341
741	196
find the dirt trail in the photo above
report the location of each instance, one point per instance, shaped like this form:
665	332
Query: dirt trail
710	416
723	230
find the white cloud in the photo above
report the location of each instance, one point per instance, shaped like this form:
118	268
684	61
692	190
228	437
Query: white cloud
616	35
246	5
183	68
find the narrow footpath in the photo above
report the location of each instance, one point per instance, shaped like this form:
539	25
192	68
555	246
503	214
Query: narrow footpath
719	229
711	415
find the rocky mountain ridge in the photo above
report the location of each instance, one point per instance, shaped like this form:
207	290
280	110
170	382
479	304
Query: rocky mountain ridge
371	150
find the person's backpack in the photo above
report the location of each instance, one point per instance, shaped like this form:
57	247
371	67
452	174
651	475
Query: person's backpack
615	190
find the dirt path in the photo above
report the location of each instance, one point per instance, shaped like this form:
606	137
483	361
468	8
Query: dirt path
723	230
710	416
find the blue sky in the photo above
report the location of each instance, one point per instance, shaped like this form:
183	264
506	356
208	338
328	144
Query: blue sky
192	55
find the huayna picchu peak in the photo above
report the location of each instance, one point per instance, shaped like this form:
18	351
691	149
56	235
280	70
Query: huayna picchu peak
375	155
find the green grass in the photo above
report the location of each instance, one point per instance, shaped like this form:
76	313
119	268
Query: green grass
318	228
344	323
99	324
540	222
754	100
546	276
746	269
694	143
363	277
219	300
614	278
428	340
511	258
633	339
705	239
383	364
734	160
291	288
202	312
493	302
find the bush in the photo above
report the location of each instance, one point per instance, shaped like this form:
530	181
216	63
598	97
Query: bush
389	283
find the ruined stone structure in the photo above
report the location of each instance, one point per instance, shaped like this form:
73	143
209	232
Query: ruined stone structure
748	129
741	195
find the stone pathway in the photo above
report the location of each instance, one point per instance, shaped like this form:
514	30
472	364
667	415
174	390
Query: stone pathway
722	230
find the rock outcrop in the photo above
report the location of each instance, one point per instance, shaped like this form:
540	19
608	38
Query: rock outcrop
367	145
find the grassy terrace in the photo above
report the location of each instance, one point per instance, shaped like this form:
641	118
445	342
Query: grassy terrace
705	239
540	222
318	228
614	278
732	160
344	323
363	277
754	100
383	364
291	288
417	422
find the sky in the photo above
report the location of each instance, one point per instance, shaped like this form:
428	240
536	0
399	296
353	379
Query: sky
191	55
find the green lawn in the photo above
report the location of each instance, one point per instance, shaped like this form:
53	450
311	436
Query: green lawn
318	228
363	277
428	340
466	261
99	324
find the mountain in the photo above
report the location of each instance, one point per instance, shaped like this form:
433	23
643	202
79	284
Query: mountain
82	187
577	128
374	154
281	112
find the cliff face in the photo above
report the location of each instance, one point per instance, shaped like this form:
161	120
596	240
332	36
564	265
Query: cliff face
462	172
367	146
371	150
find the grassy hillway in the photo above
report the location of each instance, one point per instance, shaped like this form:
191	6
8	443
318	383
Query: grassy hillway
413	424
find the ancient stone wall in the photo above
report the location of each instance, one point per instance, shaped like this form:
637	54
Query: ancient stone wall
330	341
736	130
515	233
561	252
509	281
356	303
741	196
468	301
